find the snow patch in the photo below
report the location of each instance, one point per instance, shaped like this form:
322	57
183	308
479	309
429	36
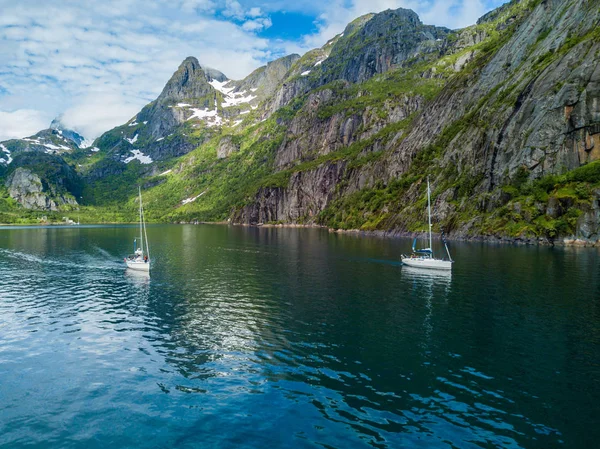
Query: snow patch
162	138
236	123
132	141
137	154
305	73
192	199
36	141
220	86
146	122
55	148
238	98
165	172
212	117
95	149
133	124
7	151
233	98
86	143
244	112
320	62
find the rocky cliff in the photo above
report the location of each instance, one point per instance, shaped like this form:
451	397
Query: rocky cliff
43	182
38	171
514	112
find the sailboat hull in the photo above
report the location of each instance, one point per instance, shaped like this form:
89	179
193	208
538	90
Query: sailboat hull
138	266
426	262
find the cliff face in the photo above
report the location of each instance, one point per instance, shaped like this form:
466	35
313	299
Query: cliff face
265	80
35	172
530	104
385	41
517	102
43	182
370	45
306	195
189	83
319	128
26	187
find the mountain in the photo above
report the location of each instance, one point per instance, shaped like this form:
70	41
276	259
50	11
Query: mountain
503	116
36	172
68	134
195	104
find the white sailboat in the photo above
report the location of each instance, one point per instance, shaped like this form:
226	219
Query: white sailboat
423	258
140	259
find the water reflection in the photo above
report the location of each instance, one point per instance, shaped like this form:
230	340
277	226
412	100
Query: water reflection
291	337
426	276
137	277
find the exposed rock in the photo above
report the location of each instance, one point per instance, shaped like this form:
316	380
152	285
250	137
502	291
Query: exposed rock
189	81
190	84
387	40
522	114
310	135
588	224
264	81
68	134
27	188
226	147
306	195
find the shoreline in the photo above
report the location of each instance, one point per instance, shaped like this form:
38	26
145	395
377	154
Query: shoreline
564	241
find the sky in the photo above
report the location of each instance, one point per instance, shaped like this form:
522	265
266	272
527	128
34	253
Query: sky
97	63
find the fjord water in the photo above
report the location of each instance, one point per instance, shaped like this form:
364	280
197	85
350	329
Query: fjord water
263	338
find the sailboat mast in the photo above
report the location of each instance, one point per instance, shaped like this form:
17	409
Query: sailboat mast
141	230
429	213
146	235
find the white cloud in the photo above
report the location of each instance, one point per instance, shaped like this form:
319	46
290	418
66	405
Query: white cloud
100	111
255	12
22	123
202	5
453	14
257	24
234	9
119	61
100	62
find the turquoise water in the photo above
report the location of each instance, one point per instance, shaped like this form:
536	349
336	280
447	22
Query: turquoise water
263	338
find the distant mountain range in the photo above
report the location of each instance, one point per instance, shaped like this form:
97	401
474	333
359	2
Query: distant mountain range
504	116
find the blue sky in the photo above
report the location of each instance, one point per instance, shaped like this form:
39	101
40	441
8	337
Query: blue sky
99	62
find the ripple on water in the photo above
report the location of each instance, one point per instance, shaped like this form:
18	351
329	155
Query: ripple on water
282	336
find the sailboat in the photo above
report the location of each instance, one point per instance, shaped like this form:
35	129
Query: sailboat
423	258
140	259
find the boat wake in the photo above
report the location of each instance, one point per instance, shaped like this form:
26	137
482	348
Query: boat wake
26	257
